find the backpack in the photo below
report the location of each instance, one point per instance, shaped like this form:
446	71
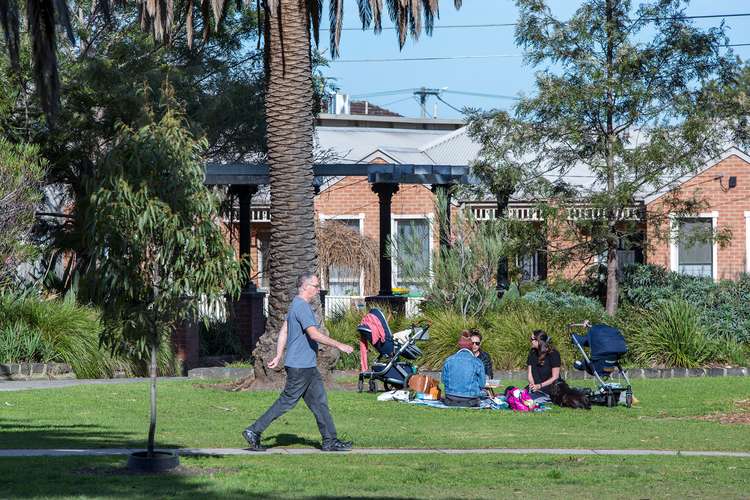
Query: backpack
519	399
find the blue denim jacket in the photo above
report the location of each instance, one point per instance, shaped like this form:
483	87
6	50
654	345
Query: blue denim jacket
463	374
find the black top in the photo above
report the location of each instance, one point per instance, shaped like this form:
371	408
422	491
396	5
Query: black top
540	373
487	362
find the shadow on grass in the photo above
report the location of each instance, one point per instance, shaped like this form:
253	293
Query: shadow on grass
292	440
107	477
15	434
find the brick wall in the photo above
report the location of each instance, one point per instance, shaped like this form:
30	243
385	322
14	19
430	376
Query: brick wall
730	204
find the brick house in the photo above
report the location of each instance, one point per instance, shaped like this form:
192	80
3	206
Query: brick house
379	140
724	183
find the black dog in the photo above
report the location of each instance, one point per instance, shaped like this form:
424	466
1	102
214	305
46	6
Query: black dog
562	394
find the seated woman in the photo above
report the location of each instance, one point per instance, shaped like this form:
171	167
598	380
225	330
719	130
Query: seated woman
543	365
463	375
476	343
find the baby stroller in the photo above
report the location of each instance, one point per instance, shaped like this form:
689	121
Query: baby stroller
388	368
607	346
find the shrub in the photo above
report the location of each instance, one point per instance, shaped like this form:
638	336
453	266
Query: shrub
219	338
721	306
671	335
506	328
69	333
54	330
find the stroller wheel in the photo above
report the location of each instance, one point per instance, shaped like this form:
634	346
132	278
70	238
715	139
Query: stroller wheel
360	384
386	386
629	398
611	399
372	387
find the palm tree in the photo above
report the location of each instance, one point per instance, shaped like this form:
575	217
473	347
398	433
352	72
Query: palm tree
290	26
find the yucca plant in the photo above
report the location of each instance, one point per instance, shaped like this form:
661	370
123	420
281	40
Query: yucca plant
670	336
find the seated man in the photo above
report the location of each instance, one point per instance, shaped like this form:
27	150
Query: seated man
463	375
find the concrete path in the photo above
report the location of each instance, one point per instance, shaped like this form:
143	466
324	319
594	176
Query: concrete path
222	452
23	385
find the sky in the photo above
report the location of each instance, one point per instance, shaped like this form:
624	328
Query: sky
507	75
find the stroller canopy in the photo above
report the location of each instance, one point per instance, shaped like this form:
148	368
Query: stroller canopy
369	328
604	341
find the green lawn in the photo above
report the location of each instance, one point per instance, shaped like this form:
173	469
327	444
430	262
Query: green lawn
403	476
117	415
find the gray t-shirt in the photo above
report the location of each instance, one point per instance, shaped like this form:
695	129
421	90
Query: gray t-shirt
301	350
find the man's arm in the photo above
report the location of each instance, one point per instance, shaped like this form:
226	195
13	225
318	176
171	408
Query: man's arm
280	345
315	335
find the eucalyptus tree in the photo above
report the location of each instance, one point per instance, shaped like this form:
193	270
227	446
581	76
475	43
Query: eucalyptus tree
620	93
156	252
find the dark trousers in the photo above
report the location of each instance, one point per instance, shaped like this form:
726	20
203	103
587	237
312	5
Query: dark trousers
301	383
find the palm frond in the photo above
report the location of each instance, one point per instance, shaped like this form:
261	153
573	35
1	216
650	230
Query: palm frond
206	14
376	9
10	22
336	15
219	8
415	19
365	13
431	11
315	12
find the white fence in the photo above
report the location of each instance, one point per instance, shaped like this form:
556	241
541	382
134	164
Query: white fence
338	303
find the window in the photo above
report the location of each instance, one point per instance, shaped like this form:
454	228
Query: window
695	248
264	246
413	245
531	266
343	280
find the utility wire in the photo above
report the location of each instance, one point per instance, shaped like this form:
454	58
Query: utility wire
455	58
506	25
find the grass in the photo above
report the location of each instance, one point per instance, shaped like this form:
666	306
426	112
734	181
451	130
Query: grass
94	416
404	476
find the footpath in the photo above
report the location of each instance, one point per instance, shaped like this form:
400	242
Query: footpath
222	452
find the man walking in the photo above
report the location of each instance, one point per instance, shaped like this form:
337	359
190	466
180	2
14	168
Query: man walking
300	335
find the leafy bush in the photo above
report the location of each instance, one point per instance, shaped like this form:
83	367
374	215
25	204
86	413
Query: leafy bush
37	330
562	300
20	343
721	306
506	328
672	335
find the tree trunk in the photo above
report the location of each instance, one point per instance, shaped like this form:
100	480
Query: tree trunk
612	284
289	97
152	422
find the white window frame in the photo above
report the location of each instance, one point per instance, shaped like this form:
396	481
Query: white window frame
361	217
674	252
429	217
747	241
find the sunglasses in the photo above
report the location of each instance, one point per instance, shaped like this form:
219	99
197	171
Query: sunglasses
476	343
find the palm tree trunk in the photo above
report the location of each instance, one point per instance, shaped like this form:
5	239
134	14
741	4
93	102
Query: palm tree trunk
289	98
152	421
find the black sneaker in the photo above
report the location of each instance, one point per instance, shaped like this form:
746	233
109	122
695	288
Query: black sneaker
253	439
336	445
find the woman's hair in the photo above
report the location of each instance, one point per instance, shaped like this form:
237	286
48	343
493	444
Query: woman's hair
544	345
473	332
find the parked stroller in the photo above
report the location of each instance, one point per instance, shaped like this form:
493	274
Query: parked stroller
389	367
607	346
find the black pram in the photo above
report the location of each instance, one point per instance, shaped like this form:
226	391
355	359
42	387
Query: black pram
388	368
607	346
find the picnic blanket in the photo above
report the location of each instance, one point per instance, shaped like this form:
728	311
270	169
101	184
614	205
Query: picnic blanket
496	403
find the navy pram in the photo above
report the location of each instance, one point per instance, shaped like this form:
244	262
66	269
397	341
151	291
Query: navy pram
388	368
606	345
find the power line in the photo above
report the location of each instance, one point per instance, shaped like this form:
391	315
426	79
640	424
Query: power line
455	58
412	59
506	25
